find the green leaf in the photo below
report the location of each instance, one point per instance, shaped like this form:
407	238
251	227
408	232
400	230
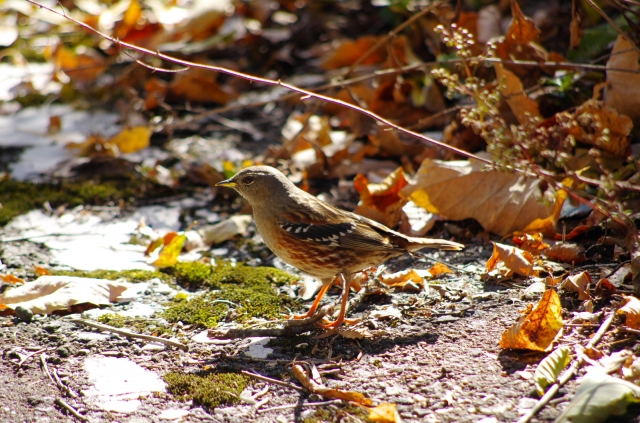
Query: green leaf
550	368
598	397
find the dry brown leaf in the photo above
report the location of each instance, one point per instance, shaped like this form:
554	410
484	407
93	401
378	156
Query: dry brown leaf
566	252
50	293
513	259
578	283
316	388
381	202
384	413
631	310
350	50
459	190
82	65
603	127
537	330
623	88
201	86
512	91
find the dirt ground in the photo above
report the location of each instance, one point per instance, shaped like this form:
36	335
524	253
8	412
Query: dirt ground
440	362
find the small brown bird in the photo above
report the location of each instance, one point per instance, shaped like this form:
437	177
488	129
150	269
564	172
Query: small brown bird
318	238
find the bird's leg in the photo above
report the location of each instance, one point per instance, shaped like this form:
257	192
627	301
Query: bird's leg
326	284
346	285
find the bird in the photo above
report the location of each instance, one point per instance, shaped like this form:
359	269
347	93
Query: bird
318	238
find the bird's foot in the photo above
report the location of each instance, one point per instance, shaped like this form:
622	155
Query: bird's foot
328	324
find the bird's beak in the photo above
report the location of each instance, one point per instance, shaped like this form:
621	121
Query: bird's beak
229	183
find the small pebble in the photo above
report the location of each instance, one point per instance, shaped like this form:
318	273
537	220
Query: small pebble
24	314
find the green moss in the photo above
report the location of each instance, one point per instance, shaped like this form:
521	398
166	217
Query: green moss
129	275
212	307
333	414
207	389
18	197
136	324
197	275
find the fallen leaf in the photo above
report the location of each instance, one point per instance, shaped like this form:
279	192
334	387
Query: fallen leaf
532	243
603	127
201	86
439	269
381	202
130	140
512	92
351	50
386	312
459	190
319	389
598	397
537	330
50	293
402	278
513	260
631	310
566	252
578	283
170	252
623	80
42	271
225	230
384	413
11	279
550	368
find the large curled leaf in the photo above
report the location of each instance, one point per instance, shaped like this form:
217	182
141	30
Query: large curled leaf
550	368
458	190
598	397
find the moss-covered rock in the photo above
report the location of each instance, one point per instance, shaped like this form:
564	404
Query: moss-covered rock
200	275
135	324
207	389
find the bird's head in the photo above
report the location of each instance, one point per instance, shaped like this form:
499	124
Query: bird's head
260	184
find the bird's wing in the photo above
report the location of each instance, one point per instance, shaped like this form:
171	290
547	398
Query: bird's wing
333	227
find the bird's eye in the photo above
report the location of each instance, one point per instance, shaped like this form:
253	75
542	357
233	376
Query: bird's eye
247	180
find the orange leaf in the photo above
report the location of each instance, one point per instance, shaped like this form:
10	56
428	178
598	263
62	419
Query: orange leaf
42	271
537	330
382	202
12	279
439	269
402	278
631	310
532	243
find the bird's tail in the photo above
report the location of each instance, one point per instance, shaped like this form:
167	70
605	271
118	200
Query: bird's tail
412	244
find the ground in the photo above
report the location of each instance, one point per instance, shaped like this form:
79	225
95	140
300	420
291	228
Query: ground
439	362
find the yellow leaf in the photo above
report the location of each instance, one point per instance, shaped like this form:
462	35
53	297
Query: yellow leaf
384	413
132	139
537	330
169	254
319	389
439	269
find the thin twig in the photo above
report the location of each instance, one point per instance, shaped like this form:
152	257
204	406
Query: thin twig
64	387
613	24
43	362
130	334
570	373
71	410
28	356
305	93
275	381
